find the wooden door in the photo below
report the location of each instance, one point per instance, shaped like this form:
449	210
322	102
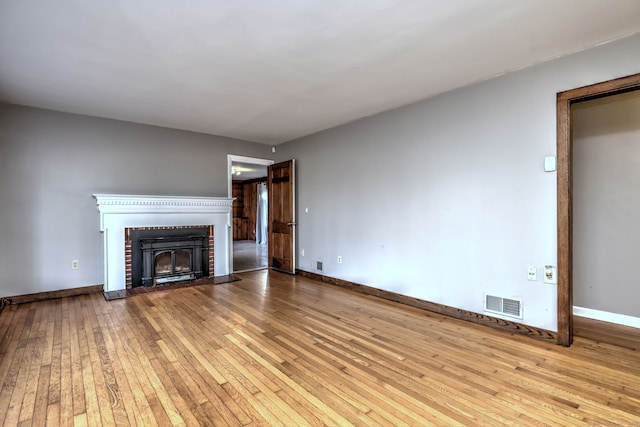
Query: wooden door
282	216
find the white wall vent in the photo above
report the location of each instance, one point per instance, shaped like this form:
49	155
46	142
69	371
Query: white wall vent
506	306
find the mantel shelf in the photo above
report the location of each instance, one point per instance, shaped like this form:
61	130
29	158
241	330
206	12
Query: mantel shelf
119	211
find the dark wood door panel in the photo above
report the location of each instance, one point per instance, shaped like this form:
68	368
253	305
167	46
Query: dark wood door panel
282	216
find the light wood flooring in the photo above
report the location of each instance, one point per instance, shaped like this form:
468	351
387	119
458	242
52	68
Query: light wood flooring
274	349
604	332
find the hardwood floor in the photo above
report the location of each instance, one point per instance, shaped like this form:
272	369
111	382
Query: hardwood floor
605	332
274	349
248	255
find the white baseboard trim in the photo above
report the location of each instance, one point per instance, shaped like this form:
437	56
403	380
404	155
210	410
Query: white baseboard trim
605	316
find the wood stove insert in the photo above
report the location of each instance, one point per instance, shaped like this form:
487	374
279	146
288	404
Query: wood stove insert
166	259
162	255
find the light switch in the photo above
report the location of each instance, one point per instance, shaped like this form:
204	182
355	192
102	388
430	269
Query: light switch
550	163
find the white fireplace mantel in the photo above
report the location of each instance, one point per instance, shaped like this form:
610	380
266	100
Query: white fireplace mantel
119	211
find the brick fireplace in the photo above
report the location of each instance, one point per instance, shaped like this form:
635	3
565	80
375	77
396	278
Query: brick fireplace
174	231
159	255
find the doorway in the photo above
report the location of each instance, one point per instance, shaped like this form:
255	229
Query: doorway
606	207
565	100
248	187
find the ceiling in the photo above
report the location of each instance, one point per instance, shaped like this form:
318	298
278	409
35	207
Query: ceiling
272	71
245	171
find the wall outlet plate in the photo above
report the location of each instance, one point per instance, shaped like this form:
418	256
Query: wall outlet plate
550	274
532	273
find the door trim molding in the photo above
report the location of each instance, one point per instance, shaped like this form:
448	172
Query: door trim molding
565	190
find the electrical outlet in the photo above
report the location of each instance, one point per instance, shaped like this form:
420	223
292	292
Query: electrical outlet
319	265
74	264
339	259
532	273
302	252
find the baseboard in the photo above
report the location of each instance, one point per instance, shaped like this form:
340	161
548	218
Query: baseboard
470	316
605	316
41	296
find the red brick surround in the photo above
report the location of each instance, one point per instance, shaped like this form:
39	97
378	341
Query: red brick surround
127	247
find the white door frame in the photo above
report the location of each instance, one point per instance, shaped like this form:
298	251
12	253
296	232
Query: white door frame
242	159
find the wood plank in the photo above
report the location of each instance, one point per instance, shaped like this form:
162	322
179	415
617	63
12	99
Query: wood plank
162	407
223	400
62	293
470	316
607	333
13	348
276	349
33	376
134	401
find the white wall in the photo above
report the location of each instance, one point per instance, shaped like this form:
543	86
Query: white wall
447	199
606	204
50	165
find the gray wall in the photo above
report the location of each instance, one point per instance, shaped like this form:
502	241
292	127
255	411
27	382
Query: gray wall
50	165
606	215
447	199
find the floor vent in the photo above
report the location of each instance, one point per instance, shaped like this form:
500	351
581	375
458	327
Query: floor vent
506	306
